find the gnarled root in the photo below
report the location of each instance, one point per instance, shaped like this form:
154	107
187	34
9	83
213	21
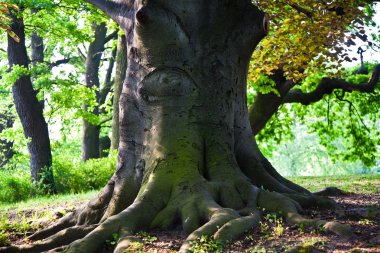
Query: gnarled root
289	209
222	203
202	207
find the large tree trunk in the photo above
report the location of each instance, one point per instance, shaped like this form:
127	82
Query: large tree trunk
30	112
187	154
121	68
90	137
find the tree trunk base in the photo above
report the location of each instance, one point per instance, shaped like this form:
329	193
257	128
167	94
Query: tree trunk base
222	208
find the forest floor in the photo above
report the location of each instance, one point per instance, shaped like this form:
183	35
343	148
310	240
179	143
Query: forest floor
361	210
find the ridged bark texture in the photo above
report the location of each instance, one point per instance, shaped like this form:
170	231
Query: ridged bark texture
121	68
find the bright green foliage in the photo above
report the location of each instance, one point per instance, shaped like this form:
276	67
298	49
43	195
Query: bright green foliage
146	237
309	40
71	174
74	176
346	126
263	84
11	77
4	239
66	31
15	186
307	36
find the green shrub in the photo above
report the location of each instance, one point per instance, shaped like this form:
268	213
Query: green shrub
15	186
71	175
3	239
76	176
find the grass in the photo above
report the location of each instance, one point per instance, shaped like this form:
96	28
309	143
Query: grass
18	220
46	201
364	184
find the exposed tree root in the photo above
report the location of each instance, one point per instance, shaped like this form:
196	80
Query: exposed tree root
59	239
195	206
222	204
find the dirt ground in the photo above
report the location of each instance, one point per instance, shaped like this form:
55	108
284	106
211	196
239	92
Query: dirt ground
361	212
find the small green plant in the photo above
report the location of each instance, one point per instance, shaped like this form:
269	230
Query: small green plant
264	229
206	245
3	238
366	222
301	229
249	238
279	229
113	240
257	249
320	229
146	237
275	222
22	224
135	247
312	241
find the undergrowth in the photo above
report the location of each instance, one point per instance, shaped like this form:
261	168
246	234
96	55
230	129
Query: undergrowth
70	175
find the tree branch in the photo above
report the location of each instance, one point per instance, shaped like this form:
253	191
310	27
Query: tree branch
328	85
59	62
111	36
107	6
113	8
302	10
104	121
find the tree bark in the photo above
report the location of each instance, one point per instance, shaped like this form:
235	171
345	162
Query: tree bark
30	112
90	138
121	68
37	45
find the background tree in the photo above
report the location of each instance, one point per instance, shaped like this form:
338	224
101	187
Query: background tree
29	110
91	132
44	19
121	68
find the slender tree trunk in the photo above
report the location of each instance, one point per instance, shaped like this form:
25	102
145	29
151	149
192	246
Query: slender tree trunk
6	152
90	138
105	141
121	68
107	84
37	45
30	112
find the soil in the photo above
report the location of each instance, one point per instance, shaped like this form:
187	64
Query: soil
360	211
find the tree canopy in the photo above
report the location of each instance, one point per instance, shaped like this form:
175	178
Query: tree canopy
309	41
